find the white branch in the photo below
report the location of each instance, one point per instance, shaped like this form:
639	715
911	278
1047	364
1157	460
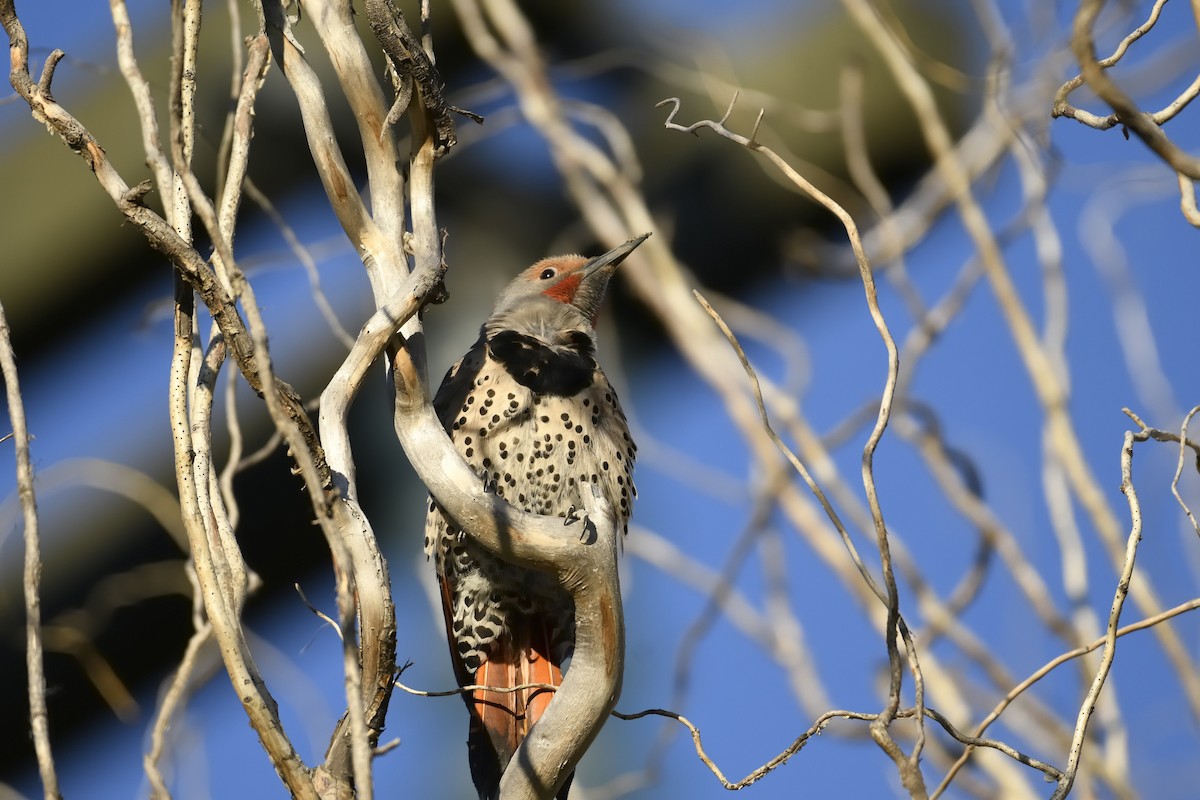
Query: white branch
581	555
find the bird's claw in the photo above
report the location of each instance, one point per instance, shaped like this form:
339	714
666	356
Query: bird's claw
573	515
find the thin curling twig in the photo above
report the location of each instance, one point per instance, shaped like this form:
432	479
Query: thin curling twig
1063	108
777	761
1046	669
1147	432
818	726
908	765
1179	469
1114	619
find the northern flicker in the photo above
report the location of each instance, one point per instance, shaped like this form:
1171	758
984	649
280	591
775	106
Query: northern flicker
533	414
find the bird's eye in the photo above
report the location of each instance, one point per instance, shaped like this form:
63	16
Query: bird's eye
548	273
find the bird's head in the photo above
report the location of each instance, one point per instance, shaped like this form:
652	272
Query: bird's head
558	294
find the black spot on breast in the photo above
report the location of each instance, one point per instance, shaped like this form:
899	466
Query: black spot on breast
562	371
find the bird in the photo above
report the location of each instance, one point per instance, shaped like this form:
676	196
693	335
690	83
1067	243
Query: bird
533	414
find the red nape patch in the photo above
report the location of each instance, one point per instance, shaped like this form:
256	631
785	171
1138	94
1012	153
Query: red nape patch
564	290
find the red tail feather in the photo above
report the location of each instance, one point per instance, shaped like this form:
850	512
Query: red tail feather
509	716
500	720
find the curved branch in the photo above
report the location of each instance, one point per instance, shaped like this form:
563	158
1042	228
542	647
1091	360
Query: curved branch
1064	109
581	555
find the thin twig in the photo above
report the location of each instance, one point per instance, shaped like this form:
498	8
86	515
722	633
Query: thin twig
39	717
1179	469
1050	666
908	765
1114	618
318	613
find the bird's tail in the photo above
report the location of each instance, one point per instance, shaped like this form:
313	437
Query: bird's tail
500	717
500	720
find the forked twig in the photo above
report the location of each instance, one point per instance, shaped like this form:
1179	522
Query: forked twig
908	765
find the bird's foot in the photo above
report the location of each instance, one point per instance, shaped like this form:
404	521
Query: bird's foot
574	515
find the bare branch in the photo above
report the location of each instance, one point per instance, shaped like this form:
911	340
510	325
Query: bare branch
414	68
1114	618
1063	108
39	719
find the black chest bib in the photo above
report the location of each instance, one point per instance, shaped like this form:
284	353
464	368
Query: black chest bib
561	372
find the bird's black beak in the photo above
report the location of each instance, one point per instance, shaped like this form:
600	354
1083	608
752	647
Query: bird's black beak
595	275
608	263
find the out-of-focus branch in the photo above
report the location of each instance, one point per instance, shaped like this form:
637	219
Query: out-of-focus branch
979	150
120	479
76	632
1049	386
764	628
304	255
39	718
